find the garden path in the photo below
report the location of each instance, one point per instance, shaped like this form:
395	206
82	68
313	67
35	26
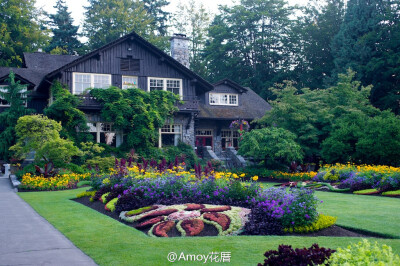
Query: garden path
26	238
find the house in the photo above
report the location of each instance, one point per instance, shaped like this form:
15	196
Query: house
204	115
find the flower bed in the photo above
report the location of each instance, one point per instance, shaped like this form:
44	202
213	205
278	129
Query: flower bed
365	178
58	182
159	221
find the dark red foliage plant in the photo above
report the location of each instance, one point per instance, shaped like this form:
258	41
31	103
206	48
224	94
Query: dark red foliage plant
220	218
163	228
150	222
192	227
217	209
286	255
157	213
194	207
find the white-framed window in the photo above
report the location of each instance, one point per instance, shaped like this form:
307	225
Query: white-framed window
170	135
204	132
103	132
229	138
166	84
129	82
223	99
4	89
82	81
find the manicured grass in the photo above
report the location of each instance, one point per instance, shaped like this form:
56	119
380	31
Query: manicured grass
371	213
109	242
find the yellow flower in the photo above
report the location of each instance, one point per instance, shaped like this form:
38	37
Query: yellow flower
255	178
242	175
235	176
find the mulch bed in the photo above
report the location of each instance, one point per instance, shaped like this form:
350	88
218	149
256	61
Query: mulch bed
210	230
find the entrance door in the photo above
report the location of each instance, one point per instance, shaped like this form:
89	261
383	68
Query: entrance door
202	141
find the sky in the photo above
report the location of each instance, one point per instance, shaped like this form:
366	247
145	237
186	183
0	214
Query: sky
77	10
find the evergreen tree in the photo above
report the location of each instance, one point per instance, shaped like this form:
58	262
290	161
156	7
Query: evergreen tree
14	95
368	42
315	31
20	31
65	34
160	17
254	35
193	20
108	20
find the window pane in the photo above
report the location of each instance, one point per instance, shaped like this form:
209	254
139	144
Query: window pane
213	98
81	82
129	82
233	99
156	84
101	81
173	86
223	99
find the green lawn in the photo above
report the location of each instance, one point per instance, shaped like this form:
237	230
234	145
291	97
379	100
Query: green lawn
109	242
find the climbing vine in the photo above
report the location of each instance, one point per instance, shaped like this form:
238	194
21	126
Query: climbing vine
137	113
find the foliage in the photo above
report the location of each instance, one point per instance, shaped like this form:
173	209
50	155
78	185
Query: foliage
47	171
286	255
192	19
20	31
41	134
65	34
368	43
323	221
272	145
255	35
108	20
182	150
391	193
9	117
365	253
367	191
278	175
85	194
110	206
361	177
102	164
137	113
261	224
90	150
58	182
160	17
64	109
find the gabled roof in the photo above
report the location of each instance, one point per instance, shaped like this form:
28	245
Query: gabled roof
133	36
32	76
47	62
251	106
231	84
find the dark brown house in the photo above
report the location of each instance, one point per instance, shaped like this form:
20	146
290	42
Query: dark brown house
202	120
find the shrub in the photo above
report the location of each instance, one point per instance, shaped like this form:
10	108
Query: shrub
110	206
102	164
364	253
323	221
182	150
86	194
285	255
392	193
261	223
367	191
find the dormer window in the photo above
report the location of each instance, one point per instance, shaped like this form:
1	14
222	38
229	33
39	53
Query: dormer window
223	99
4	89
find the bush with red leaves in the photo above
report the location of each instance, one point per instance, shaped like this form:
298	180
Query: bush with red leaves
163	228
260	223
192	227
285	255
220	218
101	191
157	213
194	206
150	222
217	209
115	192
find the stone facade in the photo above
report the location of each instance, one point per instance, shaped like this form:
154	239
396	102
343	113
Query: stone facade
180	49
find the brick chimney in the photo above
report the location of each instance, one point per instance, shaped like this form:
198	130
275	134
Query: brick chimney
180	49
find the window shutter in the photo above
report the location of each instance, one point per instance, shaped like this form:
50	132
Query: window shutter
129	64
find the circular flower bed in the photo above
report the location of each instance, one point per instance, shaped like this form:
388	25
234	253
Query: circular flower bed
188	219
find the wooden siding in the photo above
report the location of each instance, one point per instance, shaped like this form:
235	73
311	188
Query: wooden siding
221	89
109	63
